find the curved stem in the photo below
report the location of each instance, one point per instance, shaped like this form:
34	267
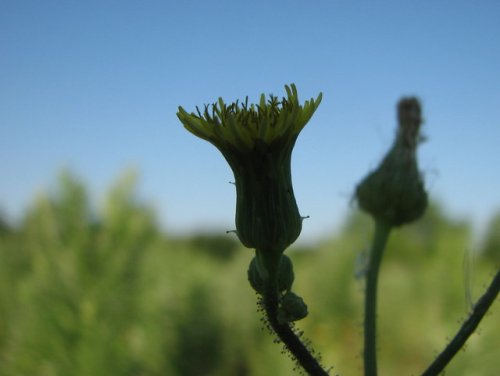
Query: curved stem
468	327
382	232
291	341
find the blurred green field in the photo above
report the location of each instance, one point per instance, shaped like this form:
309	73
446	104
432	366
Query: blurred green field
89	291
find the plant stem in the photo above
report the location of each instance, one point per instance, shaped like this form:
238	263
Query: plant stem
285	333
382	232
468	327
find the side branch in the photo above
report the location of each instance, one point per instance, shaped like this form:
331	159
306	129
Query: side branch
469	326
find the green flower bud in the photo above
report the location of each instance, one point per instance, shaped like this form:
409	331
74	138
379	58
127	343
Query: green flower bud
257	275
394	193
257	142
292	308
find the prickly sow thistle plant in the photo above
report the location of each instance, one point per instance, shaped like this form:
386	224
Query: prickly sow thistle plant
257	141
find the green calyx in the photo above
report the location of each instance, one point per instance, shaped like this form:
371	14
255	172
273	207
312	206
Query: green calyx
394	193
267	215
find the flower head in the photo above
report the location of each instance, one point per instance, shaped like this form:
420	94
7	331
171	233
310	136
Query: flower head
394	193
244	127
257	142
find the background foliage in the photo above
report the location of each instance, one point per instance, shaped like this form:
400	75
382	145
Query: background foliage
102	291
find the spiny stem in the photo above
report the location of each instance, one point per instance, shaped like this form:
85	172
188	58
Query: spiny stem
285	333
382	232
468	327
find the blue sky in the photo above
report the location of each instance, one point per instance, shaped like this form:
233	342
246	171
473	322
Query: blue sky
94	86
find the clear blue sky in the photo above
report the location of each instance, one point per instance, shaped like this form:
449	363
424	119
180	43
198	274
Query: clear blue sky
94	86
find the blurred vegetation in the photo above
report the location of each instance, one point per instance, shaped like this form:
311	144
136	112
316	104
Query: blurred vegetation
89	292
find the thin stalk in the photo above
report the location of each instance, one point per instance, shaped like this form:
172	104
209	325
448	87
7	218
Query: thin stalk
382	232
468	327
285	333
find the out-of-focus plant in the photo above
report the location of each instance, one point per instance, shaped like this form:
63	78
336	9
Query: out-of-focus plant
394	195
77	297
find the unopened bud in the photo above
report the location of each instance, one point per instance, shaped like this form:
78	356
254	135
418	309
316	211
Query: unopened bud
257	275
394	193
292	308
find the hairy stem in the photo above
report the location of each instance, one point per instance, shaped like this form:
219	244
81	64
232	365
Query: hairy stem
382	232
468	327
285	333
